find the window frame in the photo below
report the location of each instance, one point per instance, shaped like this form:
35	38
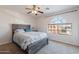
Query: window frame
57	31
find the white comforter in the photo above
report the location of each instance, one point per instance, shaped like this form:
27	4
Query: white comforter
23	39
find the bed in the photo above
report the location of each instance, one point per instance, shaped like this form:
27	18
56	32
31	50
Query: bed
28	46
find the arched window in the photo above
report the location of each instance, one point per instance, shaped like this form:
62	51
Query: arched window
58	26
56	20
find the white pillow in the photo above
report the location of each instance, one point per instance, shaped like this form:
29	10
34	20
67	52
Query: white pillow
19	30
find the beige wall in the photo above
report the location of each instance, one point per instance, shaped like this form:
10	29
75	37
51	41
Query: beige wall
69	18
8	17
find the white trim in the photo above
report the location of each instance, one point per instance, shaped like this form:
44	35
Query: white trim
5	42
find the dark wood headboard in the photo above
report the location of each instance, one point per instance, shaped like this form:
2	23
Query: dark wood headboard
19	26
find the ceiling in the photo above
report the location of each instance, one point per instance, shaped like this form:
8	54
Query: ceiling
52	8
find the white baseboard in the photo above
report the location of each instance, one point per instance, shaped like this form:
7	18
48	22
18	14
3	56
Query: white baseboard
65	43
1	43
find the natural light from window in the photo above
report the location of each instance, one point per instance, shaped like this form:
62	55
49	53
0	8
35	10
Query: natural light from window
58	26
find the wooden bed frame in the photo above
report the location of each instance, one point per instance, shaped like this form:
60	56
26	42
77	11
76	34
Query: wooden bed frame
31	48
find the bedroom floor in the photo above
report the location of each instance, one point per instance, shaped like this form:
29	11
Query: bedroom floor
59	48
10	48
52	48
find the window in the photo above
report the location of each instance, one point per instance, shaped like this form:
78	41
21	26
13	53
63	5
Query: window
53	28
56	20
59	27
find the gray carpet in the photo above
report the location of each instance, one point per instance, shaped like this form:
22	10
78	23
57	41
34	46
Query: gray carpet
58	48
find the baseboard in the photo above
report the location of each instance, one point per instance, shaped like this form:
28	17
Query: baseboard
65	43
5	42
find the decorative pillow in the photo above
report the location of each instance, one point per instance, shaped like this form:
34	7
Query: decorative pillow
19	30
27	30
